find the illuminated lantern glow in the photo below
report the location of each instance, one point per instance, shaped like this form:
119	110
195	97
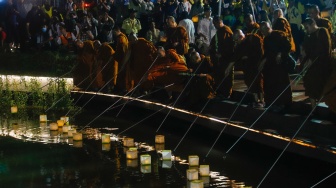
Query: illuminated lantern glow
145	159
60	123
132	154
159	139
193	160
204	170
53	126
106	147
146	169
65	119
131	162
77	136
192	174
106	138
43	118
166	155
128	142
14	109
66	128
71	132
159	147
196	184
167	164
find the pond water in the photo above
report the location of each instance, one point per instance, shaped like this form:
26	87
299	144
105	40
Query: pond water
33	156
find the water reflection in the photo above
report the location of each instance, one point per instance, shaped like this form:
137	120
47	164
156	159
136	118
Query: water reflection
62	161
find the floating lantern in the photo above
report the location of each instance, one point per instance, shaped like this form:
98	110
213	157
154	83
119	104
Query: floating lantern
43	118
146	169
167	164
145	159
159	139
166	155
159	147
192	174
196	184
77	136
78	143
71	132
14	109
204	170
60	123
106	147
193	160
132	162
66	128
53	126
65	119
128	142
106	138
132	154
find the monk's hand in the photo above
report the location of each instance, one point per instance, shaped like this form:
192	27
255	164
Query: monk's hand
261	65
278	58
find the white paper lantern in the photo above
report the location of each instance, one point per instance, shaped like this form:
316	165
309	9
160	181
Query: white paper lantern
192	174
166	155
196	184
159	139
43	118
145	159
77	136
106	147
14	109
146	169
204	170
66	128
167	164
132	163
131	154
106	138
53	126
159	147
128	142
65	119
77	143
60	123
71	132
193	160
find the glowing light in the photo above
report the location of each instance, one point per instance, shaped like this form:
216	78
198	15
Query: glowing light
192	174
159	139
193	160
145	159
204	170
14	109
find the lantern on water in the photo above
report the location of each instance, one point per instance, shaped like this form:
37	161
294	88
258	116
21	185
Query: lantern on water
14	109
166	155
53	126
77	136
193	160
43	118
159	139
128	142
159	147
65	119
66	128
106	147
145	159
106	138
146	169
196	184
60	123
192	174
204	170
71	132
132	154
132	162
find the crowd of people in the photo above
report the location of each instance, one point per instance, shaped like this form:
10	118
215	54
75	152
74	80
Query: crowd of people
189	48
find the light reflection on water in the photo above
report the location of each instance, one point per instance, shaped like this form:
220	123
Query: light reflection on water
67	162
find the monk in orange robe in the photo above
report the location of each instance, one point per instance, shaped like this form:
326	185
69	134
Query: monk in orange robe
177	37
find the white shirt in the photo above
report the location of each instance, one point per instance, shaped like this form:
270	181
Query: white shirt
207	28
189	26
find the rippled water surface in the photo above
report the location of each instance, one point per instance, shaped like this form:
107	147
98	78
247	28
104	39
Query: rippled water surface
33	156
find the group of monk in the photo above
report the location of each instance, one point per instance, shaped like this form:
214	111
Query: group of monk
262	50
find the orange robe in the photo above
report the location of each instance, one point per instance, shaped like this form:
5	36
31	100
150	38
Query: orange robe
87	74
108	64
283	25
177	34
121	51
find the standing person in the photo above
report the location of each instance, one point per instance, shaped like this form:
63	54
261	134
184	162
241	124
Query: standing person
153	34
276	79
131	24
295	20
317	60
248	52
177	37
121	50
189	26
206	29
221	51
251	26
